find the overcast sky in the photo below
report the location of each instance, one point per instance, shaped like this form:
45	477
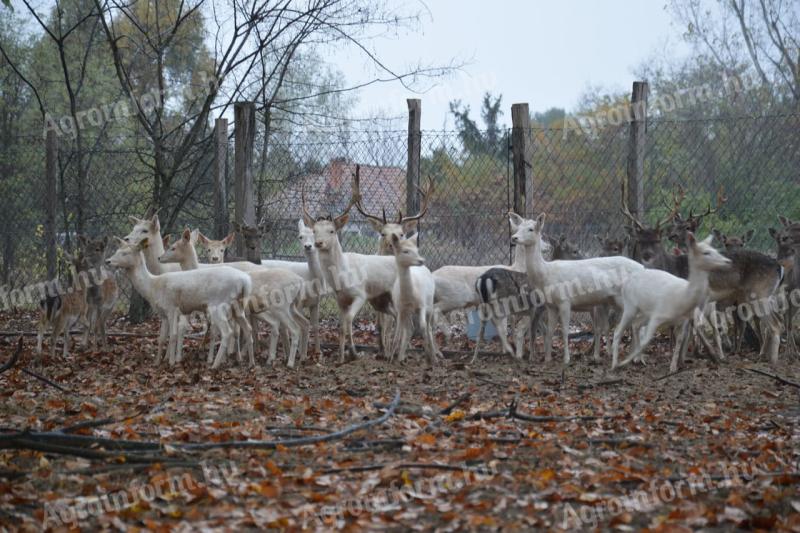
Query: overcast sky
546	53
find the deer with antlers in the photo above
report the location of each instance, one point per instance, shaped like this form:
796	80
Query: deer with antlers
387	230
752	278
354	278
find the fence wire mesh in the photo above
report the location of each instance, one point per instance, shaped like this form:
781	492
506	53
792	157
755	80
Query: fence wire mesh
577	177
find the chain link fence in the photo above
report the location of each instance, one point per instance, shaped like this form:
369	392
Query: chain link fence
577	177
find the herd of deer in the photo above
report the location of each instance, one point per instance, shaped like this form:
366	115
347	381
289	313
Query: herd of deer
651	289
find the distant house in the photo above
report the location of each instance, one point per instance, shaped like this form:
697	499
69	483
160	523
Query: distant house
329	192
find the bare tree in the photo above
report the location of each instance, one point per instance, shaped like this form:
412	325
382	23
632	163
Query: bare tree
764	34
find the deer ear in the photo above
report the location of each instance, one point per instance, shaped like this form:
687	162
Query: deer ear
773	232
748	235
783	220
718	235
377	226
340	221
134	220
540	221
690	240
514	219
410	225
202	239
415	238
707	240
227	241
186	235
164	241
156	224
120	241
300	225
193	236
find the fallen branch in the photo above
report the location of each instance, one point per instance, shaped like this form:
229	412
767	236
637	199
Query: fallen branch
681	371
511	412
47	381
773	376
461	399
432	466
301	441
604	383
11	362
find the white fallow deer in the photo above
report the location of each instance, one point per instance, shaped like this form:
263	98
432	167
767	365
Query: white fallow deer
653	298
353	278
277	296
412	294
388	230
310	270
221	292
567	286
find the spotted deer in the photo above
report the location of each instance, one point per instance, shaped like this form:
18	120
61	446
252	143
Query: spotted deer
102	293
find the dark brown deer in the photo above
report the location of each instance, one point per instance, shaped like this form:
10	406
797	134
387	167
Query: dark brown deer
646	240
610	247
732	242
102	292
751	281
788	243
565	250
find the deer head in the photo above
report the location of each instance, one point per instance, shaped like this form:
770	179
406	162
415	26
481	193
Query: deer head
732	242
680	225
399	227
610	247
647	240
215	250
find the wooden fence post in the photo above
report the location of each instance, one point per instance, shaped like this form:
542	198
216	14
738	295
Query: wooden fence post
244	123
414	150
220	183
521	154
636	147
51	175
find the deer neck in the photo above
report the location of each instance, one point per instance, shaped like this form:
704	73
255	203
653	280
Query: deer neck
334	265
697	290
189	260
142	279
404	281
519	258
314	266
155	249
534	261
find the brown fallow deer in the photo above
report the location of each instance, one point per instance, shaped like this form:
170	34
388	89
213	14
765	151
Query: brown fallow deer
732	242
102	292
787	239
388	229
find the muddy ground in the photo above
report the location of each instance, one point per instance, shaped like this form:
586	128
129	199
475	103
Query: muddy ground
495	445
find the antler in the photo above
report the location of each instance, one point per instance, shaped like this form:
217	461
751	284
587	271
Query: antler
721	199
626	212
677	200
426	195
357	196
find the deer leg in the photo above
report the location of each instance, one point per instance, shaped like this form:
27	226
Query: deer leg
679	340
315	326
302	326
548	333
406	327
521	328
791	343
40	336
395	346
351	312
431	337
647	336
423	326
501	325
625	320
564	311
220	320
478	339
162	336
58	323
